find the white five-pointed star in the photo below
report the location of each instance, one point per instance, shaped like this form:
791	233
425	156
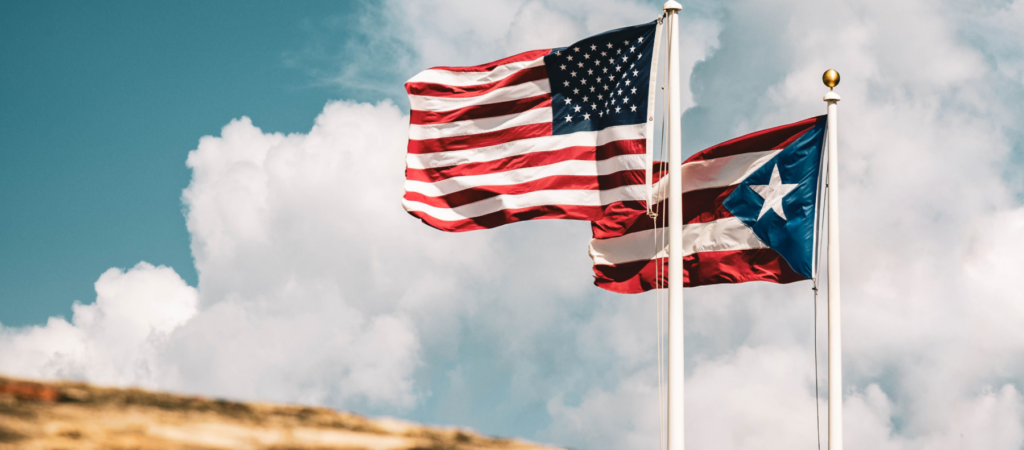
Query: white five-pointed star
772	193
586	117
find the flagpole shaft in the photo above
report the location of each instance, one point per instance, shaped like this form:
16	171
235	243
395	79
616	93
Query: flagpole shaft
676	432
835	346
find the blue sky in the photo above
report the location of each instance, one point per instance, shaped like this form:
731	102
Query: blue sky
205	198
102	103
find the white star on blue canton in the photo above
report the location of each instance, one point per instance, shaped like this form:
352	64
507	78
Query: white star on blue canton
773	193
568	118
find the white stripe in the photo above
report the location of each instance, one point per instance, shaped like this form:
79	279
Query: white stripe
528	200
525	146
503	94
453	78
467	127
718	172
719	235
527	174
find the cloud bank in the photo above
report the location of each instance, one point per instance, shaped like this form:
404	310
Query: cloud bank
315	286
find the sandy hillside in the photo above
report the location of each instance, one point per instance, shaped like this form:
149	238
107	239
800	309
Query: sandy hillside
62	415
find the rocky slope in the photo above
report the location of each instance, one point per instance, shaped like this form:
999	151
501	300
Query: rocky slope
64	415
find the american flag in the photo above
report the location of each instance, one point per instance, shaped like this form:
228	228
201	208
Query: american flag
546	134
749	209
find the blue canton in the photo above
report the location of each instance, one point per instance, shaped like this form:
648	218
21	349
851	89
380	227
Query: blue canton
796	168
601	81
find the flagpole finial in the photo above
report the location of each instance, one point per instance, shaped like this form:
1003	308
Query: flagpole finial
830	78
672	5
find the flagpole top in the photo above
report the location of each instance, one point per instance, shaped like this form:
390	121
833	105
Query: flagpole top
672	5
830	78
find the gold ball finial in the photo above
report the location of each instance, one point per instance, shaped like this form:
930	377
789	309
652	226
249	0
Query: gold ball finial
830	78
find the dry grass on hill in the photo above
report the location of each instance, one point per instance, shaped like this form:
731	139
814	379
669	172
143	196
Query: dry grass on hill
64	415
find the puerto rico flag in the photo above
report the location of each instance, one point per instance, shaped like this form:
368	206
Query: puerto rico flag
546	134
749	207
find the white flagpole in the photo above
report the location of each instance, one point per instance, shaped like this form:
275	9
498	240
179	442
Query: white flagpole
835	345
676	434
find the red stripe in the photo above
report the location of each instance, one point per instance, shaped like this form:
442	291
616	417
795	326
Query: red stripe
600	153
525	56
480	111
700	206
479	140
701	269
758	141
444	90
506	216
557	182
